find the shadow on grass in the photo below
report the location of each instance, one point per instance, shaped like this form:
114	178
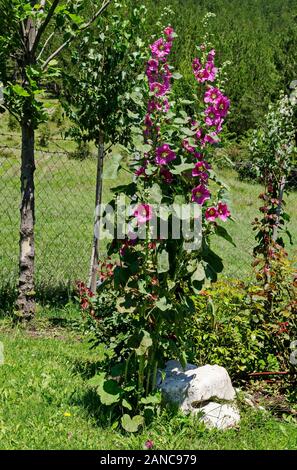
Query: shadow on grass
53	296
86	368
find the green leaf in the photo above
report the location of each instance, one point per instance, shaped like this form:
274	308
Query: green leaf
20	91
222	232
163	305
184	166
145	344
126	404
163	262
187	131
155	194
177	76
151	400
111	167
107	389
132	425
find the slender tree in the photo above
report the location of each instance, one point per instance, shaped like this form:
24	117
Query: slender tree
102	98
26	33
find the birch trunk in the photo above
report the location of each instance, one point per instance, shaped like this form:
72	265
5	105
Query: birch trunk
25	302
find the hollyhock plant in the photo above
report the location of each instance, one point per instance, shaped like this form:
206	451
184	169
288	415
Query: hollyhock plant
164	155
158	275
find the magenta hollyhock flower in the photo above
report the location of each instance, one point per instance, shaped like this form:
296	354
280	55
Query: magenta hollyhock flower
164	155
167	175
212	95
211	138
213	117
152	106
198	155
223	211
187	146
152	70
140	171
165	105
160	48
153	65
143	213
223	105
148	121
149	444
200	194
200	169
211	55
196	65
199	134
158	88
206	74
211	214
169	33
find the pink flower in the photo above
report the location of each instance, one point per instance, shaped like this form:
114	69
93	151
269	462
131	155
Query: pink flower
213	118
153	65
160	48
169	33
211	138
223	211
211	214
200	170
158	88
140	171
206	74
152	70
143	213
211	55
187	146
149	444
212	95
200	194
223	105
196	65
164	155
167	175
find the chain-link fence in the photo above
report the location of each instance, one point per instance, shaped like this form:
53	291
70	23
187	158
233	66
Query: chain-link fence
65	188
64	194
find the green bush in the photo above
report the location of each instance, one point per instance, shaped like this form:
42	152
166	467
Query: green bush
232	326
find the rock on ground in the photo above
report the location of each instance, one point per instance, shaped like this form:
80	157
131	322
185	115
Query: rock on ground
203	389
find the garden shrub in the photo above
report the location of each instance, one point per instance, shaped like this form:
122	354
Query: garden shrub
233	328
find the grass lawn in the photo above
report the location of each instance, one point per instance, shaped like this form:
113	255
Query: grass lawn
45	403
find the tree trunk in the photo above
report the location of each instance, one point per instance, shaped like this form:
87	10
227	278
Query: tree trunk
98	200
26	301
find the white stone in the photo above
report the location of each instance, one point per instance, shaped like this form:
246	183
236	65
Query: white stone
202	389
194	385
216	415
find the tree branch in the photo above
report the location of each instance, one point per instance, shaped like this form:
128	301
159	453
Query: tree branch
45	44
44	24
83	28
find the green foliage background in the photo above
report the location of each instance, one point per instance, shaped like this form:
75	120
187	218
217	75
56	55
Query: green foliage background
259	37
